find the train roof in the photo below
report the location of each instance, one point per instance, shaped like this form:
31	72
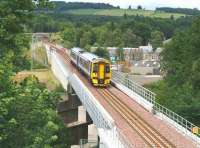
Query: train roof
77	50
92	57
89	56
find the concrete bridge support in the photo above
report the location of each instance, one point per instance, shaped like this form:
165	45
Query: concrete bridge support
75	117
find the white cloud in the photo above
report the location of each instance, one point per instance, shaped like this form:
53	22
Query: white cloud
148	4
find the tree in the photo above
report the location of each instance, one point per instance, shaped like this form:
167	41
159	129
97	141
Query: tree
6	73
68	36
185	55
14	15
27	110
87	48
180	61
56	38
102	52
144	31
120	53
125	15
21	127
139	7
172	17
117	38
157	39
129	7
86	39
131	40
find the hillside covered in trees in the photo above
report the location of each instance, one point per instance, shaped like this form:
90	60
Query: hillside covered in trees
102	9
28	116
187	11
62	6
129	31
180	89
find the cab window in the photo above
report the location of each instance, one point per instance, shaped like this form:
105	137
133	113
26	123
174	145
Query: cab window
95	68
107	69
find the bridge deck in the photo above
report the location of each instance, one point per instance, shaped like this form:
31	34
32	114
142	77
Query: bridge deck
177	139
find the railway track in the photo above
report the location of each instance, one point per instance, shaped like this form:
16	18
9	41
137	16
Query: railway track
150	135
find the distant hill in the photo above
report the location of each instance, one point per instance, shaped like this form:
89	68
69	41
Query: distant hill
179	10
125	12
60	6
102	9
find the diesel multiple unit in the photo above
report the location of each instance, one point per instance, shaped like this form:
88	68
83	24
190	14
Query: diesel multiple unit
95	68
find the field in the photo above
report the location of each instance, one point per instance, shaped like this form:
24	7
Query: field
121	12
44	75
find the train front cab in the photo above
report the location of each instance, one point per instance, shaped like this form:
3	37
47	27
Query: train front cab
101	73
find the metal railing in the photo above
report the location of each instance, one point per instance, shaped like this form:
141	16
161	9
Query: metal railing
181	123
123	79
85	143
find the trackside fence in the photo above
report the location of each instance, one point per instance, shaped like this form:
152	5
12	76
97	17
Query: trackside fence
123	79
182	125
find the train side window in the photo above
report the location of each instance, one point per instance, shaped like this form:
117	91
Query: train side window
95	68
107	69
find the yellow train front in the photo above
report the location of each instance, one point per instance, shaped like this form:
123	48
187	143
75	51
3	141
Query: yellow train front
97	69
100	73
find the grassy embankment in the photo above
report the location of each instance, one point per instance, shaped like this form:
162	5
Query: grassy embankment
39	69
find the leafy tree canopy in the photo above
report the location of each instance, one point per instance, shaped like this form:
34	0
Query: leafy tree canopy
102	52
157	39
14	14
181	64
28	117
27	110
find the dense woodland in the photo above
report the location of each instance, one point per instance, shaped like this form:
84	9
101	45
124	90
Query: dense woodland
129	31
28	116
180	90
187	11
63	6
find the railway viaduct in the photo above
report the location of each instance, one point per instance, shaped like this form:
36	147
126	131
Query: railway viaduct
124	115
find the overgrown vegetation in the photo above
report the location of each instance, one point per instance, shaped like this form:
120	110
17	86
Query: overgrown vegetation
29	119
180	90
28	115
62	6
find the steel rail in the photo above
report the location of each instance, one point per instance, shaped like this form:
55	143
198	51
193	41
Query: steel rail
149	134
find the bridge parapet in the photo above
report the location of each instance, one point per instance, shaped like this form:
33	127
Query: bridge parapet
181	124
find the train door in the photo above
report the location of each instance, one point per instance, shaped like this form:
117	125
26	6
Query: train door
101	73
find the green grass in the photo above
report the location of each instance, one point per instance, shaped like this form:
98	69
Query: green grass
121	12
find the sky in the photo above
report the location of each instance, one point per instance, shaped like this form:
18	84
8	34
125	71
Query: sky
147	4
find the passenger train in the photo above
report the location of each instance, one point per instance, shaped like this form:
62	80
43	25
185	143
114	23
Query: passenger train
97	69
